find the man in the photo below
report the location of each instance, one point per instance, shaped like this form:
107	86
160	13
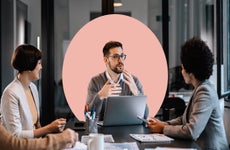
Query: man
114	81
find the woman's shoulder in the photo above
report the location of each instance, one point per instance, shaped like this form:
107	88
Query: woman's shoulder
206	86
13	86
207	89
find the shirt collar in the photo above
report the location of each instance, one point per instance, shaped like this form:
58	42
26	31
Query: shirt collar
110	79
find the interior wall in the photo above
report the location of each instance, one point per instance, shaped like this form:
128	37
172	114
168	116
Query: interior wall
76	13
34	20
69	17
10	30
7	42
61	34
155	18
138	9
188	19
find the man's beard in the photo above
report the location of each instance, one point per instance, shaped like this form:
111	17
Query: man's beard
115	69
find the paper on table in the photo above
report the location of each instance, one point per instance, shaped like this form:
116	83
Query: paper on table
121	146
107	138
151	137
78	146
172	148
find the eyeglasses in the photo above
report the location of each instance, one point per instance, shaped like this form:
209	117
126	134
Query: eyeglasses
116	56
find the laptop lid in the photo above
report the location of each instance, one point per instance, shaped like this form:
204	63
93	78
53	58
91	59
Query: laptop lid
123	110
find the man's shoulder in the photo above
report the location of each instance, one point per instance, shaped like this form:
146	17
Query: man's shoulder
99	76
135	78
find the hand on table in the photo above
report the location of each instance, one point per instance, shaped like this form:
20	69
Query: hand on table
155	125
71	137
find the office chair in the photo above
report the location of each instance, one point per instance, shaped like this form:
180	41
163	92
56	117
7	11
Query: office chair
172	107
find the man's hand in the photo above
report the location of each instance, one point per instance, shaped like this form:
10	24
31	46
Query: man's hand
109	90
130	82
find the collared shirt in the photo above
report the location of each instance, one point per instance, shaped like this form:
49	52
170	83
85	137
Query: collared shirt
121	77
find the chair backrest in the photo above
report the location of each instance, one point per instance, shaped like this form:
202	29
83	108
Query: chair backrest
176	103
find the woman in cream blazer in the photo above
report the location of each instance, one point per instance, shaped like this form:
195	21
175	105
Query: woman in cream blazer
16	115
20	101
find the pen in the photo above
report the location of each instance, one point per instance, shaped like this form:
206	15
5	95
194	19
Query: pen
93	113
86	108
88	115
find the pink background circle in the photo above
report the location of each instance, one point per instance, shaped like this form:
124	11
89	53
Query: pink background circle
84	59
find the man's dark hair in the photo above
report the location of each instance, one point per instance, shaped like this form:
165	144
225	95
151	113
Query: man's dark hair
110	45
25	57
197	58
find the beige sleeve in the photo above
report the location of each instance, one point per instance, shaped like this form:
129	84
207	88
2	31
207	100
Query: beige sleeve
51	142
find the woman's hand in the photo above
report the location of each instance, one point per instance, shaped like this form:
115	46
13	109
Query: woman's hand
57	125
155	125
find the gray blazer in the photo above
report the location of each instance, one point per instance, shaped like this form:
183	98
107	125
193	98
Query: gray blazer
16	116
202	120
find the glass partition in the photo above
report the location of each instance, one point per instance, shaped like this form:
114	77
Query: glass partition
69	17
20	23
150	14
186	20
224	46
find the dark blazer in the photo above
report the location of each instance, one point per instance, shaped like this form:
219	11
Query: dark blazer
202	120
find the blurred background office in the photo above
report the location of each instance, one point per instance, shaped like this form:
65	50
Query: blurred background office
51	24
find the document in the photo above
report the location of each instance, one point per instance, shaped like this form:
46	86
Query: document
107	138
151	137
78	146
169	148
121	146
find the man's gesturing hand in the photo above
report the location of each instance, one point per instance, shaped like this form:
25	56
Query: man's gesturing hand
109	90
130	82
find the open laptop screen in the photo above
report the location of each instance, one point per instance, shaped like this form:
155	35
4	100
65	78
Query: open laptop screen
123	110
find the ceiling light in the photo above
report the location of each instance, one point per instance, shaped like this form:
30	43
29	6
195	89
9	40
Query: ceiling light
117	3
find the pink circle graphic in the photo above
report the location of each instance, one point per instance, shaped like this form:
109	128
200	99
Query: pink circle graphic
84	59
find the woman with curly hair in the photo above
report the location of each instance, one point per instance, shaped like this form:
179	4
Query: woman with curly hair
202	120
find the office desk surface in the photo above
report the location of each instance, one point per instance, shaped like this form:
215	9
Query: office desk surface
121	134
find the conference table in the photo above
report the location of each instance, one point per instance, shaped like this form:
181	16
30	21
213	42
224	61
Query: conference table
120	134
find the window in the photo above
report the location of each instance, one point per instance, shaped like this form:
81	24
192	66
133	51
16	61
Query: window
223	48
186	20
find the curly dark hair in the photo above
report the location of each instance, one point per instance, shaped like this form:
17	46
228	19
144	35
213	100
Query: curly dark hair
25	58
109	45
197	58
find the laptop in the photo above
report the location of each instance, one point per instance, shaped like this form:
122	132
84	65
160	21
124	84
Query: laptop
123	110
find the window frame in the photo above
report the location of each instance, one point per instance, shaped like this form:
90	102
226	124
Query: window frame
220	47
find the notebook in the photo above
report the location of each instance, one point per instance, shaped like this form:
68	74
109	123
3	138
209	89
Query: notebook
151	137
123	110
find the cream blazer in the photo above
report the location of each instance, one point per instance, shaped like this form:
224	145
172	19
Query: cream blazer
15	112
